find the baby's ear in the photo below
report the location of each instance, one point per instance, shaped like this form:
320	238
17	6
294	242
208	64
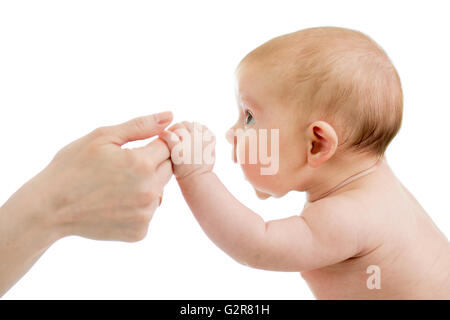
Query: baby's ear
322	142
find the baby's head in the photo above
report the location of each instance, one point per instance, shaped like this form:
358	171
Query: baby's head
332	93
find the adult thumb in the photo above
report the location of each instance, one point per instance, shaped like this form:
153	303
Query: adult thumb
141	127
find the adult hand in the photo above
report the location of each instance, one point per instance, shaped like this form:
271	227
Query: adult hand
92	188
98	190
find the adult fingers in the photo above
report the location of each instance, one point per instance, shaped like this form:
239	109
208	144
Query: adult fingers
156	150
170	138
164	172
140	128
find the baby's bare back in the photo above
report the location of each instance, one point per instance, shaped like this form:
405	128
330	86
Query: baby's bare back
405	255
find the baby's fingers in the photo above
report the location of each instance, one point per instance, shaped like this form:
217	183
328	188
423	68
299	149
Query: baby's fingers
177	126
170	138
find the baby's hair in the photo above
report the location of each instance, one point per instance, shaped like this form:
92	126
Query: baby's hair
341	76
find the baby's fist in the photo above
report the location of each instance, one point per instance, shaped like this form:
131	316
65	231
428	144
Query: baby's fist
191	147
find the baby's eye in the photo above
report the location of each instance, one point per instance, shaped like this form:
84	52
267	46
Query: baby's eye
249	118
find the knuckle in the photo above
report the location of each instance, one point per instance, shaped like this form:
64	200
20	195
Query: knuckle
142	166
99	132
137	225
145	198
61	152
145	167
140	123
128	159
137	234
131	158
145	217
92	150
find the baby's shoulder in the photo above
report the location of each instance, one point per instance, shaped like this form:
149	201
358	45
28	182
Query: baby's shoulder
336	220
332	207
344	212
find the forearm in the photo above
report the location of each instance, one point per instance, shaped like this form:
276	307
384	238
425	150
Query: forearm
228	223
25	234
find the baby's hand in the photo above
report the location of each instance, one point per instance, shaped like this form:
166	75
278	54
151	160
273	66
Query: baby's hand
192	148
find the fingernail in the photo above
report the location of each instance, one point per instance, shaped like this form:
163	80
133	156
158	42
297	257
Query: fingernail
163	117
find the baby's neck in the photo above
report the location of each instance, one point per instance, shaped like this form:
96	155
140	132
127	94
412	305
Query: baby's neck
334	178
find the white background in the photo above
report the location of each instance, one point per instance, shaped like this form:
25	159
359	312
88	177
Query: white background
67	67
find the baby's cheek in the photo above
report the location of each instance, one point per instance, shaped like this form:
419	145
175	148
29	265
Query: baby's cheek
267	184
247	153
252	174
247	149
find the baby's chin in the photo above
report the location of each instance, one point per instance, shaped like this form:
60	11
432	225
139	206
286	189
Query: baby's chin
262	195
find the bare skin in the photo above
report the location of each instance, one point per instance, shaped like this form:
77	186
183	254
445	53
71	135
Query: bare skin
92	188
372	220
395	234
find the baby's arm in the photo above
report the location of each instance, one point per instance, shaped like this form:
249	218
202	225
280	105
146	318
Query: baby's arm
313	240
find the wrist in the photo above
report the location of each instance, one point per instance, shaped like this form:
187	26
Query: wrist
188	179
30	217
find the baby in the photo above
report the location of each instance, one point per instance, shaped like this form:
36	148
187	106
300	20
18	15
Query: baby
334	102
